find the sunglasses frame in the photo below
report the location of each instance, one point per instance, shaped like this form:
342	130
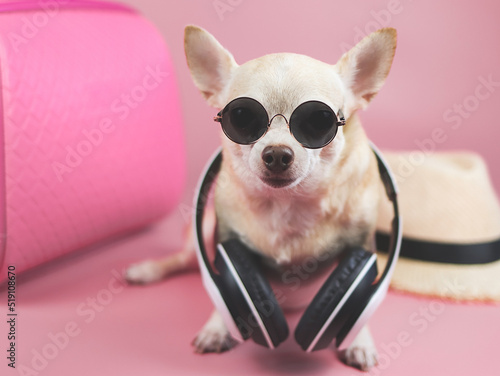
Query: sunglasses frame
340	121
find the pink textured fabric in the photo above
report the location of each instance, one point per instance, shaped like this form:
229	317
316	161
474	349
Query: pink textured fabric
93	145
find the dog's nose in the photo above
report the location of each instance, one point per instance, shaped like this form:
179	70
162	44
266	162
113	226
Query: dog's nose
277	158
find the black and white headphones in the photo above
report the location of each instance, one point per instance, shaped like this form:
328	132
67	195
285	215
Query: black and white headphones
244	298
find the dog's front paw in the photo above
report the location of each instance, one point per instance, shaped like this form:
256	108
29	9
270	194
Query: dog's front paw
145	272
360	357
214	337
362	353
213	342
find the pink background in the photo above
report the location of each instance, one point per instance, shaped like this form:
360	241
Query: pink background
444	49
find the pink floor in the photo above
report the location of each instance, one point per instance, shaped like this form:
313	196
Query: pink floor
115	329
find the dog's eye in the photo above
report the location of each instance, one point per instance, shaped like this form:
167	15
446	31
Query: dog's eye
320	120
242	117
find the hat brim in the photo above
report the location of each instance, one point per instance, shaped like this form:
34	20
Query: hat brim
479	282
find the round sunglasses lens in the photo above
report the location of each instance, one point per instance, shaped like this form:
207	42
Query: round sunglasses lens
244	120
313	124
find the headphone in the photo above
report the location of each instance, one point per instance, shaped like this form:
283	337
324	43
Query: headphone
248	306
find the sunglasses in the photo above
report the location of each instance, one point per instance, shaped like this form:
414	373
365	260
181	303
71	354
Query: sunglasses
313	123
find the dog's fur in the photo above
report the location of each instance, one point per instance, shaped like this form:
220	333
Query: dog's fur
330	197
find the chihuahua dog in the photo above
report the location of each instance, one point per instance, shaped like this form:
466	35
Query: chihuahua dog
287	198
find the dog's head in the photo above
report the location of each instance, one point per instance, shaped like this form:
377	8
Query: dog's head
280	83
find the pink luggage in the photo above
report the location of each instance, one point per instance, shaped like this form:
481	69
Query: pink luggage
92	145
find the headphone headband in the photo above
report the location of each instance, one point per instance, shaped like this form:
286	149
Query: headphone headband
382	285
202	192
391	190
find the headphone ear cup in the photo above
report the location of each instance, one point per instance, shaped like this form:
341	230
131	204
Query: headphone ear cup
348	286
248	295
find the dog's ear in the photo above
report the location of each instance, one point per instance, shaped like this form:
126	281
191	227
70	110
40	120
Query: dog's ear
364	68
211	65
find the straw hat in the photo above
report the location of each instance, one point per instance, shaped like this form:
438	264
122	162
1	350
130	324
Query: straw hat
444	197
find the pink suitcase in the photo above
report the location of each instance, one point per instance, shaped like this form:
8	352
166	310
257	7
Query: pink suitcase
92	144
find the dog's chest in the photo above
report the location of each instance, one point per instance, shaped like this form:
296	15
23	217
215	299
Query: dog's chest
286	218
285	229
